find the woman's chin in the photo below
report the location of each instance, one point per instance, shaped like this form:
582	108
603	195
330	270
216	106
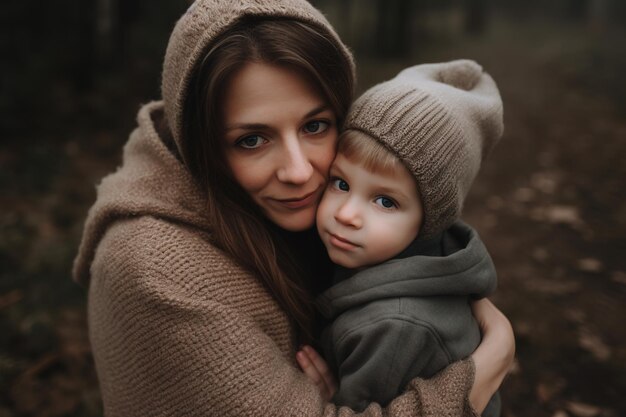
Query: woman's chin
296	221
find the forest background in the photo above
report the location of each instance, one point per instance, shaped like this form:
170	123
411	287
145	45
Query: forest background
549	202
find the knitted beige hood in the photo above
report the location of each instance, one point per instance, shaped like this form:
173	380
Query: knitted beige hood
206	19
152	181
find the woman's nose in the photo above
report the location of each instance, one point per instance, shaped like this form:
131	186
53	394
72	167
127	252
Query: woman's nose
295	166
349	214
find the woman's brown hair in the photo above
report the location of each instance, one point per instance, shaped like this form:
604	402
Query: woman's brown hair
239	227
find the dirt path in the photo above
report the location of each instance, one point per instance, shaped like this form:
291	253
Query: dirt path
550	206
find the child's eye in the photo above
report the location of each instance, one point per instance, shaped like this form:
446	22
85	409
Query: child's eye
250	142
340	184
316	126
385	202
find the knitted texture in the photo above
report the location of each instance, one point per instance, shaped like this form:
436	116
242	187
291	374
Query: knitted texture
441	120
178	328
205	20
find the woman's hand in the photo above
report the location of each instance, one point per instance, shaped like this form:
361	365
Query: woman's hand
494	356
316	369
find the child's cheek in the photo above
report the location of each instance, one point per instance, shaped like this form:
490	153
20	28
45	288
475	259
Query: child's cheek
321	214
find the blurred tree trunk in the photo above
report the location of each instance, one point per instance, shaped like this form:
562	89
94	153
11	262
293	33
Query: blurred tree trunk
577	9
476	12
393	27
593	13
105	12
114	21
84	65
127	14
598	15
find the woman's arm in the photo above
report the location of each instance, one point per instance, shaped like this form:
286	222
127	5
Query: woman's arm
377	357
492	359
171	357
176	343
494	356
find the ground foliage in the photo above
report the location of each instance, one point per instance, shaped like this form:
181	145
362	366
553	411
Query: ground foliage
549	204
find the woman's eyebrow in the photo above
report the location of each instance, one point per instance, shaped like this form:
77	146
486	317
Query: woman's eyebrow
319	109
260	126
247	126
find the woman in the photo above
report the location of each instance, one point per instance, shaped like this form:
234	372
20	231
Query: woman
199	253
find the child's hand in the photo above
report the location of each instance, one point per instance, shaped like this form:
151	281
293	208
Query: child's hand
316	369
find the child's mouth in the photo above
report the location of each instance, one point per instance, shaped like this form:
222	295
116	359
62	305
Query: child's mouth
341	243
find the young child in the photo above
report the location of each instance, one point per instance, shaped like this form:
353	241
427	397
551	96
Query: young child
407	267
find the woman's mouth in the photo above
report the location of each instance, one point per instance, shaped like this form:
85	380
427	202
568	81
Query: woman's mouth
299	202
341	242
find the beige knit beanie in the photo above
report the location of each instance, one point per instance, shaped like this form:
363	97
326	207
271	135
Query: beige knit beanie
203	22
441	120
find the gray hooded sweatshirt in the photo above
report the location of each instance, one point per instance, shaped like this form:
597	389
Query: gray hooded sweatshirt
407	317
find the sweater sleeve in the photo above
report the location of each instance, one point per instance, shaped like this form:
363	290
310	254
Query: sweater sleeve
161	351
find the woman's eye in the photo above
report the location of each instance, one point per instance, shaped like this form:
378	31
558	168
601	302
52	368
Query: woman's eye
386	202
340	184
316	126
251	142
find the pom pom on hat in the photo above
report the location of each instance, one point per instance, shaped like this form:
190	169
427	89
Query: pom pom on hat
441	120
463	74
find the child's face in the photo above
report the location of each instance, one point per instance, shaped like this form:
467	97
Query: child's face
366	218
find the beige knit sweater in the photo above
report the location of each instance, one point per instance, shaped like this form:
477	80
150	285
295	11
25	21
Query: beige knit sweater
178	328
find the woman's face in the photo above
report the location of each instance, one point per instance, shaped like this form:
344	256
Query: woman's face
280	138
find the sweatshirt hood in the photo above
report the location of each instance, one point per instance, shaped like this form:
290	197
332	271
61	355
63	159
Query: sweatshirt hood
152	181
198	28
465	269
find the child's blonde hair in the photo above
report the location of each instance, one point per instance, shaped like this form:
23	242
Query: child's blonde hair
441	120
359	147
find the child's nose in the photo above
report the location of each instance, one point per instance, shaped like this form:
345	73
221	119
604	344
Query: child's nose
349	214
